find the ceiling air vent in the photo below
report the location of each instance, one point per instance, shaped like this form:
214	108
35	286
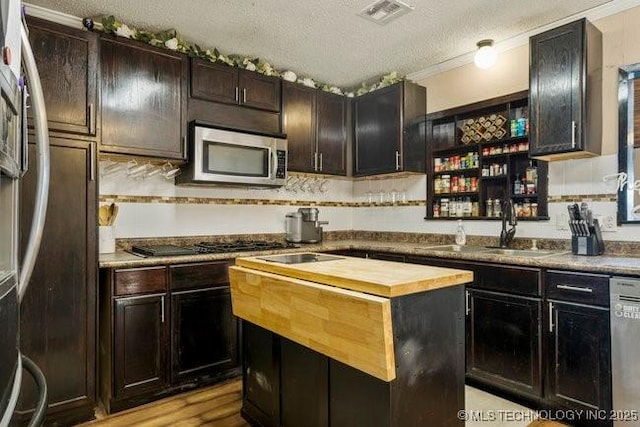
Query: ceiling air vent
385	11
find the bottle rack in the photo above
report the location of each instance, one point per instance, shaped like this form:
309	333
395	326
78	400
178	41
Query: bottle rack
467	170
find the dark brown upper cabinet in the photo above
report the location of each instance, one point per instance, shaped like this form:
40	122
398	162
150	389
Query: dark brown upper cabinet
565	92
389	130
315	124
229	85
67	60
144	93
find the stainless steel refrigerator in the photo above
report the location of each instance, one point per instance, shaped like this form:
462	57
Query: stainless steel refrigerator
18	93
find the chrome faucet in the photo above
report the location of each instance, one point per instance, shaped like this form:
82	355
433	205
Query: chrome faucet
508	214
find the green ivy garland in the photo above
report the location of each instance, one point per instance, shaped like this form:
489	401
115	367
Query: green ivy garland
171	40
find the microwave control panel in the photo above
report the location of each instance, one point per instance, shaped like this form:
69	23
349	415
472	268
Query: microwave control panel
281	172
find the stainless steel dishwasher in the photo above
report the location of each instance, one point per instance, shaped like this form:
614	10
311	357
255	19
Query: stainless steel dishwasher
625	349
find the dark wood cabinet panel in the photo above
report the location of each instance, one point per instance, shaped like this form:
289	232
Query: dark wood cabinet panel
378	131
214	82
143	92
67	60
299	123
229	85
204	333
139	345
304	386
261	384
503	342
259	91
187	276
565	82
578	358
389	130
331	134
140	280
58	311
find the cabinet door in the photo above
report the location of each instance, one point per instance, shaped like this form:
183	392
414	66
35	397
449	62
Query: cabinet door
143	99
377	131
67	61
214	82
578	356
304	386
204	333
503	341
58	309
139	345
259	91
332	133
299	116
261	375
556	80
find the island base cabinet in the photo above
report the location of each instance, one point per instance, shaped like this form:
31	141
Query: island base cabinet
260	376
287	384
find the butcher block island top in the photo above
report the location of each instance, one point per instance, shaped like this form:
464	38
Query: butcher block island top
376	277
359	333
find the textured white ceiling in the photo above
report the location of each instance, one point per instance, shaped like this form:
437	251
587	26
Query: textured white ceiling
325	39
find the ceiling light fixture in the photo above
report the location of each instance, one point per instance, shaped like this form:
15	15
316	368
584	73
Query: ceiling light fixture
486	55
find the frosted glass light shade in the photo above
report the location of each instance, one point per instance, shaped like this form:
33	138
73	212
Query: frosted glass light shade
486	55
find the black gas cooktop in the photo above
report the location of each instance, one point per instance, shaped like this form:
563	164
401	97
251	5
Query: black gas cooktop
209	248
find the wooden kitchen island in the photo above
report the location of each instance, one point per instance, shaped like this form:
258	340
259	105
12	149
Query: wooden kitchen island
338	341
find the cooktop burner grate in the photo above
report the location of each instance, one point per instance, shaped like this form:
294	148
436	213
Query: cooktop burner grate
209	248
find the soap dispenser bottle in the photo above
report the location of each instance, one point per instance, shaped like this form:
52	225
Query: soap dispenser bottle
461	236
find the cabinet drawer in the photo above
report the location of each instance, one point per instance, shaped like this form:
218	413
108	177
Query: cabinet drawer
577	287
199	275
140	280
515	280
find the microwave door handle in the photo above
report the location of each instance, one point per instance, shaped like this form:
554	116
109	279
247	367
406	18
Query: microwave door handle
274	163
42	161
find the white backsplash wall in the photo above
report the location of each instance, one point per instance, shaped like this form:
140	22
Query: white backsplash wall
163	217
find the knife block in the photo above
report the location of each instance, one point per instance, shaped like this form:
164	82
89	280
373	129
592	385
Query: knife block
588	245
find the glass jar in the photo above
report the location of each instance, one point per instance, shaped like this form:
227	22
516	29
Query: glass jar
489	207
444	208
534	209
497	208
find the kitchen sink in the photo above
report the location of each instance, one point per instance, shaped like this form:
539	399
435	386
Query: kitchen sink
521	252
456	248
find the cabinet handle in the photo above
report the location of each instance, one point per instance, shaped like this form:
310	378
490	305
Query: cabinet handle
467	305
550	317
244	95
92	161
573	134
237	94
184	146
92	119
162	309
397	160
575	288
320	162
315	161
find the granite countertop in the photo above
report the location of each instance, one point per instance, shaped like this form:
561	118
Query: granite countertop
625	265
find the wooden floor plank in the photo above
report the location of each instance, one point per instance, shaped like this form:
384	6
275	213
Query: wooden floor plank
216	406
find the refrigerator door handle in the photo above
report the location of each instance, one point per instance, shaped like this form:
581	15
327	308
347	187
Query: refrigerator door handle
15	393
41	407
42	161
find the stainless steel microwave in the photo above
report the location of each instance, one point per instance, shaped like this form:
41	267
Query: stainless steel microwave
223	156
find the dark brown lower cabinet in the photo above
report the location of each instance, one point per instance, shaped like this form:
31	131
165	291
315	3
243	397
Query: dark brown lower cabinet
503	341
58	311
139	345
578	373
164	329
204	333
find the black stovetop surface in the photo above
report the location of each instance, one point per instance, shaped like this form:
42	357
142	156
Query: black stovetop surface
209	248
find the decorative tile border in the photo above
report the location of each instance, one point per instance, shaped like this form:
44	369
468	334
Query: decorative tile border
108	198
583	198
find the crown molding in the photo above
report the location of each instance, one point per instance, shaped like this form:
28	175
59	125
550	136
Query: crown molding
607	9
55	16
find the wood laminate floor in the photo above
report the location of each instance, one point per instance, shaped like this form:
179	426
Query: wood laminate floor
219	406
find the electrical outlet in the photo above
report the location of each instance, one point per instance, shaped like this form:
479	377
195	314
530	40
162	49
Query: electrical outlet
607	222
562	221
